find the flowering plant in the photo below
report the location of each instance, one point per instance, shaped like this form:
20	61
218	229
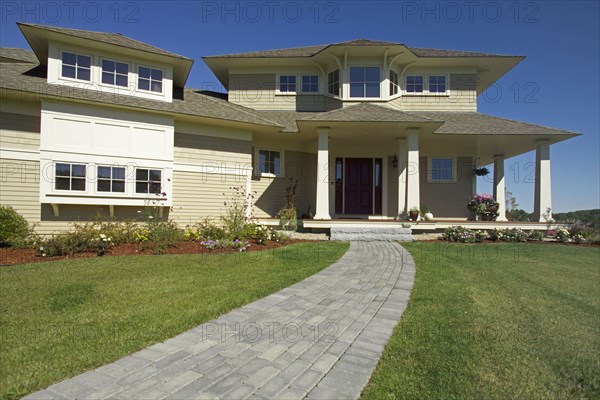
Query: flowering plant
484	206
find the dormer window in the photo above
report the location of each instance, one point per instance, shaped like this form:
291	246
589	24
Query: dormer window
365	82
115	73
333	83
437	84
76	66
150	79
414	84
287	83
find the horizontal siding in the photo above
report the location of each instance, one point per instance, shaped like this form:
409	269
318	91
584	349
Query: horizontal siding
448	200
19	187
19	131
270	192
198	149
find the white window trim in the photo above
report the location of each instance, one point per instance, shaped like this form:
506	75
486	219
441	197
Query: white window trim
399	85
381	81
425	91
130	75
96	179
87	178
277	85
404	88
340	84
268	174
309	93
137	79
430	170
77	53
446	92
134	182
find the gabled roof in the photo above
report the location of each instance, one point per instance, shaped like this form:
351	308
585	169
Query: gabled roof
104	37
23	77
309	51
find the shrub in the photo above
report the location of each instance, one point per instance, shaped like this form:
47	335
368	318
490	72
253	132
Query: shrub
535	235
279	237
514	235
235	218
578	238
562	235
458	234
14	229
288	219
585	231
495	234
101	244
239	245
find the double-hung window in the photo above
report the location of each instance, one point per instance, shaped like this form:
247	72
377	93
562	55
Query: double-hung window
393	83
69	177
333	83
110	179
76	66
269	162
148	180
442	169
414	84
287	83
365	82
437	84
150	79
310	84
115	73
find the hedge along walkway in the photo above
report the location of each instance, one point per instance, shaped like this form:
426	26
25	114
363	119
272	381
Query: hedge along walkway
320	339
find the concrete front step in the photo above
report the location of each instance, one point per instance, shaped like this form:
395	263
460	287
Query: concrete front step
371	234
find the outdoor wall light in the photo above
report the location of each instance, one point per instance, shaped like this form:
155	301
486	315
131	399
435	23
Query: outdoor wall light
395	162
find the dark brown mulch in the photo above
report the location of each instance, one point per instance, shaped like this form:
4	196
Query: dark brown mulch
10	256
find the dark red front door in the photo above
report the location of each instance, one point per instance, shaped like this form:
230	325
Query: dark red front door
359	185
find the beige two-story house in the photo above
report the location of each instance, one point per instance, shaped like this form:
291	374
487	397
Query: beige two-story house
98	124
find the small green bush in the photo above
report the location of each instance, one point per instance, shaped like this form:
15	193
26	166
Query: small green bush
514	235
535	235
495	234
14	229
562	235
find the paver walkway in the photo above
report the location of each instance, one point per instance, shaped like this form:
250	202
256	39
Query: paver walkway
319	339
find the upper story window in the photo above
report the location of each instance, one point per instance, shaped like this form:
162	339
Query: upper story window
414	84
287	83
76	66
333	83
442	169
269	162
365	82
393	83
148	180
69	177
111	179
310	83
115	73
437	84
150	79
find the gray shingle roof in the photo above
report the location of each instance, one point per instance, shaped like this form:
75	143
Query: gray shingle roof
110	38
17	77
474	123
366	112
309	51
8	54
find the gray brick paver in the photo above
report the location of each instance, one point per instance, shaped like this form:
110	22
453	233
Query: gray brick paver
362	296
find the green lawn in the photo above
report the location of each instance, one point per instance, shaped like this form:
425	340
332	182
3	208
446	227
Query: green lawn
497	321
62	318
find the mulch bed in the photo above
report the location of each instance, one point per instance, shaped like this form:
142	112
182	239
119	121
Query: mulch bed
10	256
547	242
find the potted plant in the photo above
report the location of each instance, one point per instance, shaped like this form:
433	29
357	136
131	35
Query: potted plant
484	206
288	217
427	215
413	214
481	171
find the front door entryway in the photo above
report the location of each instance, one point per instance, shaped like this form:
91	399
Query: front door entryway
358	187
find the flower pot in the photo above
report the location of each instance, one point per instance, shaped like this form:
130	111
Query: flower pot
493	207
413	215
428	216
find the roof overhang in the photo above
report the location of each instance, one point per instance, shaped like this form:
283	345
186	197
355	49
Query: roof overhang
39	39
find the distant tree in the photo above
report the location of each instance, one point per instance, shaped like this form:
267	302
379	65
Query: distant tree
589	218
513	213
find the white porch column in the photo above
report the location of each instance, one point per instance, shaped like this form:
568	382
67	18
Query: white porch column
542	209
402	165
322	211
499	186
412	172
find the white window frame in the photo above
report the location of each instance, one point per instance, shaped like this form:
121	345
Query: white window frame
278	85
365	82
129	75
397	85
446	88
77	53
135	181
302	84
430	169
339	81
269	174
405	83
137	81
70	177
110	192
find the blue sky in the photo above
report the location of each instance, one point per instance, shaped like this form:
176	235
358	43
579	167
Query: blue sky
557	85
